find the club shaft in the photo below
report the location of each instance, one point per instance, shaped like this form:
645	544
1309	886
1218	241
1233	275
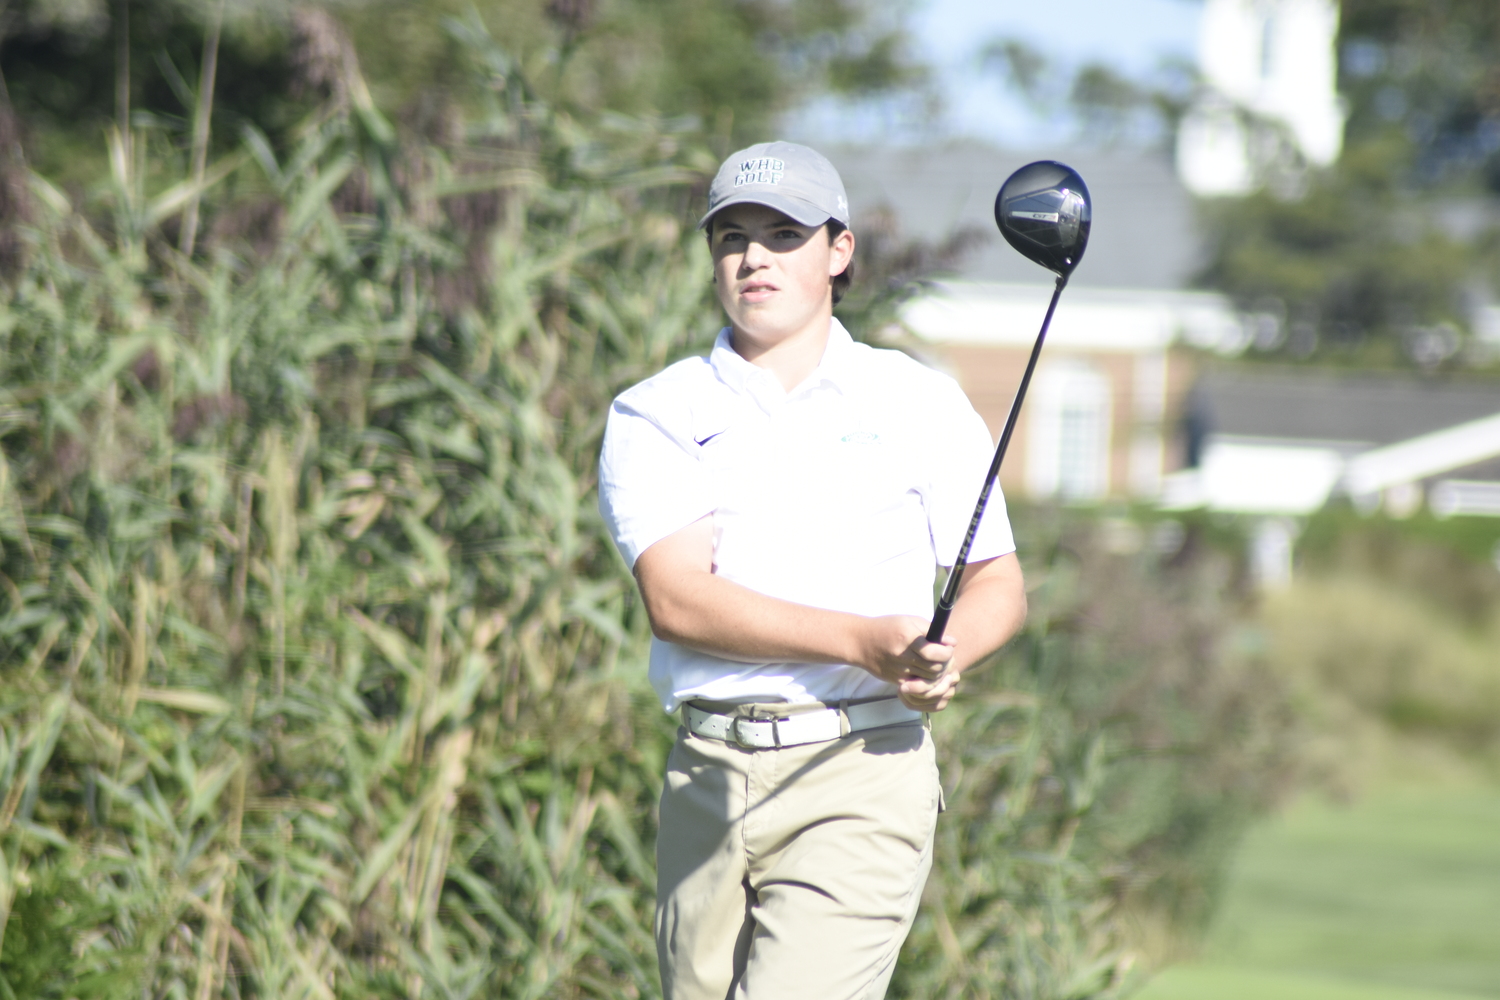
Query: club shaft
955	576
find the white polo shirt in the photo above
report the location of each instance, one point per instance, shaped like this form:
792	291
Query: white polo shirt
843	494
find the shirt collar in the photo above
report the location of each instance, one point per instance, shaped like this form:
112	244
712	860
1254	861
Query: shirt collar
835	368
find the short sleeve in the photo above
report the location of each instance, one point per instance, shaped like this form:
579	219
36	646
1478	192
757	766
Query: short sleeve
650	485
961	456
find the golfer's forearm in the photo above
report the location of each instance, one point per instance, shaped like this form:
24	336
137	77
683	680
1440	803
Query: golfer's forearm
984	626
990	609
713	615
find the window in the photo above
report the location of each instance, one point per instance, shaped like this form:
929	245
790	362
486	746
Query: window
1068	444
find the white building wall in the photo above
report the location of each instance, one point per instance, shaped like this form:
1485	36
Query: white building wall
1276	61
1148	451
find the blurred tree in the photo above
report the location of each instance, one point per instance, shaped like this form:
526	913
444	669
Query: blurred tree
1105	100
734	65
1105	105
73	66
1354	270
891	268
1025	68
1376	261
1426	73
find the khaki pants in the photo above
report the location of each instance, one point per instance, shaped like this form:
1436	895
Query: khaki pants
795	872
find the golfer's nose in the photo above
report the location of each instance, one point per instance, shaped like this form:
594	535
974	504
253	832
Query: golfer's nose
757	255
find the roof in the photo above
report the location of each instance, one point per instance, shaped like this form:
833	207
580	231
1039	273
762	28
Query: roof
1369	409
1281	440
1425	455
1143	235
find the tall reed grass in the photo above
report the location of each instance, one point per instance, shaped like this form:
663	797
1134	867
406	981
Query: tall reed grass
311	633
319	676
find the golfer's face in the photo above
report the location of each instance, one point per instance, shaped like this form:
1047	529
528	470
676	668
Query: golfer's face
772	273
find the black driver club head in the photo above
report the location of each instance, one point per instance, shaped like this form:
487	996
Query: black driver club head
1044	211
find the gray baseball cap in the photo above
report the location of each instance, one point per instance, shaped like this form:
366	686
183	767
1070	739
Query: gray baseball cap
785	176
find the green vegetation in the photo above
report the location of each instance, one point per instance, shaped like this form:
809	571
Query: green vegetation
1422	74
1099	776
1354	271
1423	549
1390	631
320	675
1230	983
1389	898
1398	889
1379	883
311	634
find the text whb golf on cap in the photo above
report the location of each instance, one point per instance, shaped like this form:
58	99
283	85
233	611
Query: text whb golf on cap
766	170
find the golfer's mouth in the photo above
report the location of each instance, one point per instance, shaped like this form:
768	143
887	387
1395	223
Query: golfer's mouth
757	291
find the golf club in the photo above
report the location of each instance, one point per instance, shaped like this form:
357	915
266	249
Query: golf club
1044	211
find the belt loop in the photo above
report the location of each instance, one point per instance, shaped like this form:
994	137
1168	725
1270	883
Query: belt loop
845	728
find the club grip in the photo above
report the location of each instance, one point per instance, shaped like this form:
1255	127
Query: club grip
939	624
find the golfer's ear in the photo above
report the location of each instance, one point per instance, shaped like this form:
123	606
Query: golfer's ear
842	252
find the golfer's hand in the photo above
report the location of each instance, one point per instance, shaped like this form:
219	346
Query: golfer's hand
895	649
929	695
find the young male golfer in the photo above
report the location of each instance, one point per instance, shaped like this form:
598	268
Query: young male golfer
784	504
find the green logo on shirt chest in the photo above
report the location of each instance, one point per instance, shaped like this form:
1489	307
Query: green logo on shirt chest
860	437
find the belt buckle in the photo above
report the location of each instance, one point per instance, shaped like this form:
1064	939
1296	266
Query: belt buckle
741	742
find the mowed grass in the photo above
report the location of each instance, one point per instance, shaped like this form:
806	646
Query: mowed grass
1227	982
1395	897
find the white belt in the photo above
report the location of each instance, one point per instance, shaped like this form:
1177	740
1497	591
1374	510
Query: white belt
794	730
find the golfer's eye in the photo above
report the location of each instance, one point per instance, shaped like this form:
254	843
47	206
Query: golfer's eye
788	234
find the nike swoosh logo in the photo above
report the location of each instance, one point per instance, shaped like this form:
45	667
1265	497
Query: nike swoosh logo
707	439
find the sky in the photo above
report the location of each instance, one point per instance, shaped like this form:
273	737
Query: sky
1131	36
